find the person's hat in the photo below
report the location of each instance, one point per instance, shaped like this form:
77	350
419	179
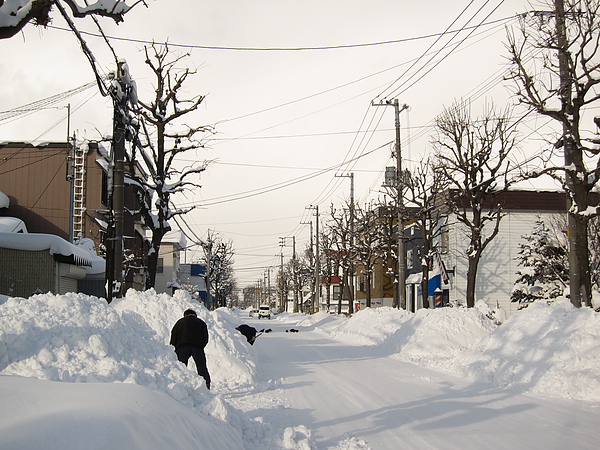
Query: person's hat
189	312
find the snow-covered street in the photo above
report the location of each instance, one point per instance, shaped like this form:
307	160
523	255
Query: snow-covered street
354	393
78	373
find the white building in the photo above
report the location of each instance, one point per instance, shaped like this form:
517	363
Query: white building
497	270
169	259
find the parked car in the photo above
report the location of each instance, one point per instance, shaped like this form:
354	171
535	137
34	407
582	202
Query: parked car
253	313
264	311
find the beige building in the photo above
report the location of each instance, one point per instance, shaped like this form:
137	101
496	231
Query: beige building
58	189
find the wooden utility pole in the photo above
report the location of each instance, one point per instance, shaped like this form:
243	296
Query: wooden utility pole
399	202
114	270
351	249
317	299
294	274
283	291
316	269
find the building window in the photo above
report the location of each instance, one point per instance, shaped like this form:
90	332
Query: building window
445	244
105	187
160	265
410	259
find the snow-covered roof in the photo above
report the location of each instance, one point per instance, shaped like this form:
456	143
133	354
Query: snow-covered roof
175	237
4	200
12	225
56	245
98	263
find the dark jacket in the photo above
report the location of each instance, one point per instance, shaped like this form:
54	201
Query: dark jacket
189	330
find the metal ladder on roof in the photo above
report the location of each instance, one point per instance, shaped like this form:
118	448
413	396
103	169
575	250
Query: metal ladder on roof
79	190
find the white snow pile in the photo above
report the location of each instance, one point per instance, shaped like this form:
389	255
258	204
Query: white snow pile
372	326
85	374
226	353
544	350
85	343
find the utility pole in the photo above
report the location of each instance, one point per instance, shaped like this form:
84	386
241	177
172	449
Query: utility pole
351	274
317	260
71	176
399	202
312	253
282	292
566	101
207	247
114	283
317	296
269	286
294	275
317	301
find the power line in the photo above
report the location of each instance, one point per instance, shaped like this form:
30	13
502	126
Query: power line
45	103
397	90
430	47
275	187
285	49
267	166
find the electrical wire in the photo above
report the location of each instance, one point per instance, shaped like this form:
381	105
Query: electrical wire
45	103
282	49
398	90
274	187
382	94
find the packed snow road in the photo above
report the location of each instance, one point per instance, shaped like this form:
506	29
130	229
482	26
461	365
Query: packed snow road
350	396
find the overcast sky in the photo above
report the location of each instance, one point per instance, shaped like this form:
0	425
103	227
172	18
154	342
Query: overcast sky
289	86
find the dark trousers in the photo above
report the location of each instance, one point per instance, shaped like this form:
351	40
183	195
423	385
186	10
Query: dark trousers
185	351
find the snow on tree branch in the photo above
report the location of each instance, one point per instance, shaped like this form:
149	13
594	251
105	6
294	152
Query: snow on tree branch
15	14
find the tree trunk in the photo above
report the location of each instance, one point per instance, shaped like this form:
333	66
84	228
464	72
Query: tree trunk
583	260
471	279
341	296
425	286
157	237
368	292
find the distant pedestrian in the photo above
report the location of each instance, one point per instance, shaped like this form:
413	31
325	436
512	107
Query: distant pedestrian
189	336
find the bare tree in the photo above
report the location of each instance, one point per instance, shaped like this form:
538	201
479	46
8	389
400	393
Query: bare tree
473	158
342	252
161	149
328	261
425	188
388	243
555	68
306	273
368	250
15	14
219	254
284	283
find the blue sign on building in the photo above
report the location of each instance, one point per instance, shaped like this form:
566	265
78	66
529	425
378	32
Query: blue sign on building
198	270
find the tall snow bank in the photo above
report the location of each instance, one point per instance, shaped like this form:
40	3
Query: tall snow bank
433	337
229	360
547	350
372	326
78	338
544	350
97	350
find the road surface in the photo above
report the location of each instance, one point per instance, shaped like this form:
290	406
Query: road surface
360	394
